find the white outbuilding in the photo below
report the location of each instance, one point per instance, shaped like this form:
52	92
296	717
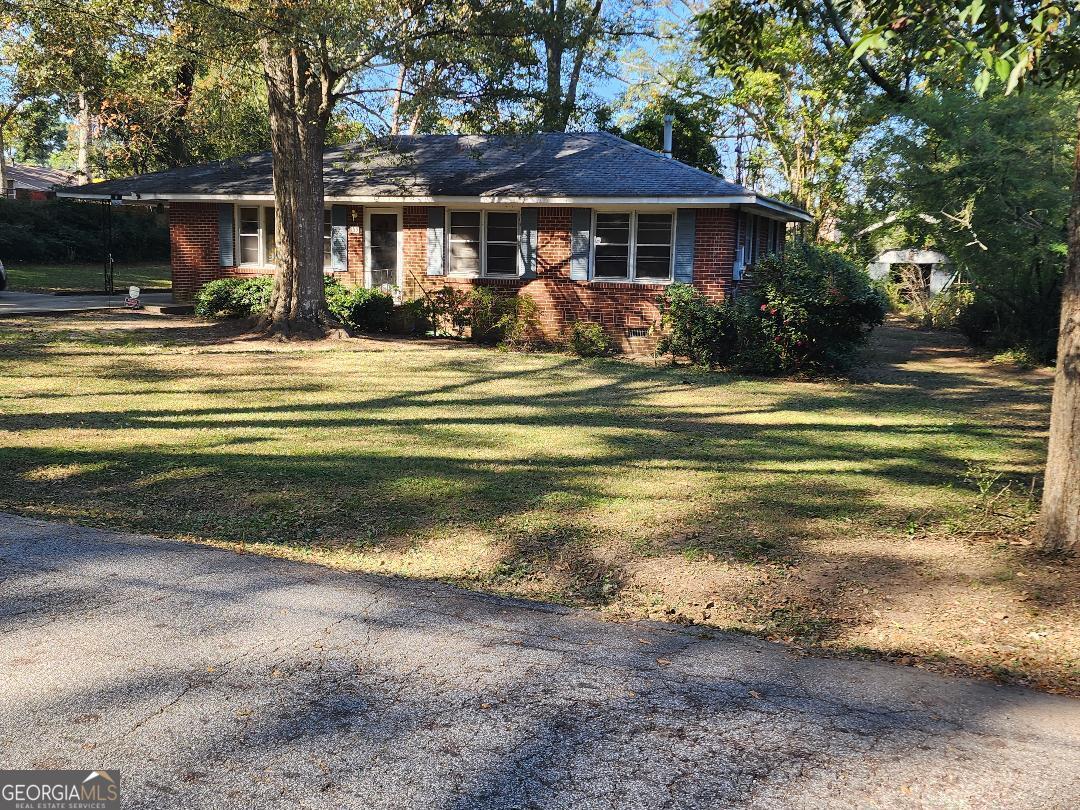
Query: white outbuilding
936	269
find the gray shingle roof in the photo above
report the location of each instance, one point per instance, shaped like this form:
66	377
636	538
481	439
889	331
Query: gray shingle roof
37	178
550	165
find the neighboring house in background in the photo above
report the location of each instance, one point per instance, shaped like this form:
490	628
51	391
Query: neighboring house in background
590	226
22	182
936	269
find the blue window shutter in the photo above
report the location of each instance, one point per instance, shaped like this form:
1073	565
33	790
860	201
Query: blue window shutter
530	226
685	231
339	238
226	236
580	238
436	240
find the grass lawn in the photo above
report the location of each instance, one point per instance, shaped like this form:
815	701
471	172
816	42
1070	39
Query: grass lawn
61	277
843	516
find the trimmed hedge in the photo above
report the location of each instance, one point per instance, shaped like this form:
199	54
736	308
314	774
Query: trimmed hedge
73	231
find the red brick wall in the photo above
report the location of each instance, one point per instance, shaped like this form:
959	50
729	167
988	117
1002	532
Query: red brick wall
414	222
560	301
193	241
353	276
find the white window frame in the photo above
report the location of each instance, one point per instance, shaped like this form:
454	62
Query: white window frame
631	270
263	260
483	212
328	256
399	282
260	236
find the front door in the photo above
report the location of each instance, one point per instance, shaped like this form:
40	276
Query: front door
384	260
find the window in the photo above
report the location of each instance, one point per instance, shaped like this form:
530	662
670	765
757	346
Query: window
502	243
327	233
465	242
250	236
652	256
270	240
633	246
483	242
254	235
750	241
612	258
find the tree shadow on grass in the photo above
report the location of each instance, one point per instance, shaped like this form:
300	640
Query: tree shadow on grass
535	474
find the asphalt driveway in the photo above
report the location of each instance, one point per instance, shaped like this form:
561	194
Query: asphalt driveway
13	302
216	679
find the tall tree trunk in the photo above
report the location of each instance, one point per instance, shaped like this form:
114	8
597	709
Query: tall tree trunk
395	107
1061	493
177	150
299	113
82	131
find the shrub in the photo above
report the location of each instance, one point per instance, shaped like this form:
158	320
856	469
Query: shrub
234	297
813	310
449	310
488	317
991	324
361	308
808	310
589	339
410	318
696	328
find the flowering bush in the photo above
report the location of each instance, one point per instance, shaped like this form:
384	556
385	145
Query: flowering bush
808	310
814	311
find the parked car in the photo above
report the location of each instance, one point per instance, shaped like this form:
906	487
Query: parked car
3	277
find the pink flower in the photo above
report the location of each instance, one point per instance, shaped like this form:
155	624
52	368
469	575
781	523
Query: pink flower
764	307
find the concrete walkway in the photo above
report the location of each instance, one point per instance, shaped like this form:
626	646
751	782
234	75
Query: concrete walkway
25	303
215	679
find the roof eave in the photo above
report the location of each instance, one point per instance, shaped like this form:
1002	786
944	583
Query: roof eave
701	201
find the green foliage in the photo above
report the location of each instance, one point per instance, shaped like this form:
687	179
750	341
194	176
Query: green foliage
234	297
69	231
361	308
695	327
986	182
487	316
449	309
941	311
808	310
815	309
588	339
410	318
692	132
806	109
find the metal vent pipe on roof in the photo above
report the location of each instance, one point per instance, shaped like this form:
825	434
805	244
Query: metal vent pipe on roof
668	121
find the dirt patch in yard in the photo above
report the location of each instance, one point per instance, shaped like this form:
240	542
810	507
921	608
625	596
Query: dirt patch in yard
888	514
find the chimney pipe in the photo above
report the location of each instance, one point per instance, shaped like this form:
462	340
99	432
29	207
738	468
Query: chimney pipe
668	120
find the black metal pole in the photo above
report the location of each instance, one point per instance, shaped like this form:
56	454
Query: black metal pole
108	252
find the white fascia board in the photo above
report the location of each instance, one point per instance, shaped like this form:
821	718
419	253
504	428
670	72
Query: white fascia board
771	207
786	212
71	196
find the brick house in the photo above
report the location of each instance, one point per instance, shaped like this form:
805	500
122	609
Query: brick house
590	226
